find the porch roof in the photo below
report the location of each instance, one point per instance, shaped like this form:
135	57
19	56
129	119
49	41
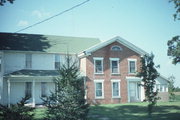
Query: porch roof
33	73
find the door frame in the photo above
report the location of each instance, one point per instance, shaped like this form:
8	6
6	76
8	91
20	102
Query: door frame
136	80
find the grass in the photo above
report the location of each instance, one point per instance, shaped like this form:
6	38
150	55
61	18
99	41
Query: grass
39	113
135	111
177	97
129	111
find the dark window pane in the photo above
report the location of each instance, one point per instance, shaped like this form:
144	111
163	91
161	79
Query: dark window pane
28	89
115	89
99	89
132	67
98	66
114	67
43	89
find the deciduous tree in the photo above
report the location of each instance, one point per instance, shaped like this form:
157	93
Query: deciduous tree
171	88
174	43
4	1
148	74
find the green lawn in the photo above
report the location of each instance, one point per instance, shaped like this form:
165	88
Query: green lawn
135	111
129	111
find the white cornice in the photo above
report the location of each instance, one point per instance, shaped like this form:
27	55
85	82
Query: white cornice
117	39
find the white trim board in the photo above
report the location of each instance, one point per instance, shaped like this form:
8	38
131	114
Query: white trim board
117	39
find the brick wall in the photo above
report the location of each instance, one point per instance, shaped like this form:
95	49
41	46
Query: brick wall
107	53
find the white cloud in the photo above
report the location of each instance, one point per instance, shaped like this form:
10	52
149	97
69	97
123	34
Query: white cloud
40	13
23	23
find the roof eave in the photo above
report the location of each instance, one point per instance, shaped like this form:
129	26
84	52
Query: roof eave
118	39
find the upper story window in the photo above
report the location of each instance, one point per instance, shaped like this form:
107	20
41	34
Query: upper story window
98	65
116	48
28	60
132	68
114	65
57	61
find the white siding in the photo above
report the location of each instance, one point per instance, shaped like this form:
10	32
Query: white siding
16	61
13	62
17	91
160	80
43	61
83	65
161	84
50	87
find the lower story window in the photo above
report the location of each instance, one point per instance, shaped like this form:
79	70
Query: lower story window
99	89
115	88
28	89
43	89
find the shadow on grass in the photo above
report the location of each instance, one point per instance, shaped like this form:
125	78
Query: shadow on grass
133	112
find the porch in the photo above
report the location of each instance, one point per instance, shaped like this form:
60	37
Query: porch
35	84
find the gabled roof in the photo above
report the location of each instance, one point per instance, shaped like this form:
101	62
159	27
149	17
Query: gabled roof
117	39
45	43
164	78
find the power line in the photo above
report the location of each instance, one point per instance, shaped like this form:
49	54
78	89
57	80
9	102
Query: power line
67	10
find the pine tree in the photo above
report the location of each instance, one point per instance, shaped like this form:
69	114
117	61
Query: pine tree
17	111
67	102
149	74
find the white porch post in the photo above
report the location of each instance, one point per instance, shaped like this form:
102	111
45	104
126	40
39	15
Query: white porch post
9	92
85	88
33	93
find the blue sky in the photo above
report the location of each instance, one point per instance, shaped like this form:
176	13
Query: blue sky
146	23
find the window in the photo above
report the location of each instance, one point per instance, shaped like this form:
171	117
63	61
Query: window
114	64
165	88
43	89
116	48
161	87
115	88
57	61
132	66
28	60
0	63
99	89
98	65
28	89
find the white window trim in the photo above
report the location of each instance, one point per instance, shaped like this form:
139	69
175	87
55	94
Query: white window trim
119	85
57	55
114	59
135	60
98	58
45	83
27	61
28	90
99	81
164	87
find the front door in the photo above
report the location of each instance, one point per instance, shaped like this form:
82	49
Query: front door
134	91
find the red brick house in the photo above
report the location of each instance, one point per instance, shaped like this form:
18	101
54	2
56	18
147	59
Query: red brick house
110	68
